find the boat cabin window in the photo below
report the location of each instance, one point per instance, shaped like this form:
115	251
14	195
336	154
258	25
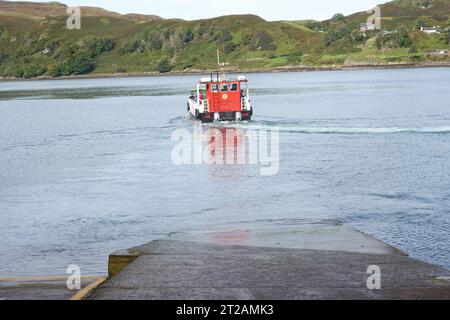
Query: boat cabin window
224	87
215	88
234	87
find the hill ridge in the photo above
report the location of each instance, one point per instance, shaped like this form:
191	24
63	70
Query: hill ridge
34	40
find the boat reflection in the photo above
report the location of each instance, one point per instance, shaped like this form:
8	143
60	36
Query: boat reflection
224	146
238	237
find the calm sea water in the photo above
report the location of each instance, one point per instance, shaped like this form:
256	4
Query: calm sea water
85	165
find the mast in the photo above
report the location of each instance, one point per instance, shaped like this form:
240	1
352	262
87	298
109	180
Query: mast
221	68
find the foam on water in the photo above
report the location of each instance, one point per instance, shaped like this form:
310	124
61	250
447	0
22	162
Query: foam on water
293	128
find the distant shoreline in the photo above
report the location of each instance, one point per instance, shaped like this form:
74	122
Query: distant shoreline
269	70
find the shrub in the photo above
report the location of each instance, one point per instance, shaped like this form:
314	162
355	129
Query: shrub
81	64
397	39
402	38
446	37
17	71
54	70
417	57
130	47
412	50
314	25
77	64
358	36
164	66
295	58
184	38
98	46
229	47
188	35
200	30
246	39
31	71
335	33
338	17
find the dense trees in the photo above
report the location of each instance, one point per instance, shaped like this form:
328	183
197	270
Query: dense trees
187	36
80	58
27	70
75	58
79	63
31	70
399	38
147	40
358	36
98	46
340	36
337	17
336	32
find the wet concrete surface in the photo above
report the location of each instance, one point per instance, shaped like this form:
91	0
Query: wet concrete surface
316	236
308	262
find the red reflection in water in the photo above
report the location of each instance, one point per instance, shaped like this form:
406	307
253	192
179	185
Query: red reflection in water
224	145
232	237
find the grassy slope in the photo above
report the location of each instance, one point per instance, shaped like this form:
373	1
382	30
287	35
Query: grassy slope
20	22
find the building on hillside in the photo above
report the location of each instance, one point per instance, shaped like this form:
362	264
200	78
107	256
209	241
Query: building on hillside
430	30
366	27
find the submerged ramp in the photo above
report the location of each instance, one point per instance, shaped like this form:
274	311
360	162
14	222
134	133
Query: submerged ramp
305	262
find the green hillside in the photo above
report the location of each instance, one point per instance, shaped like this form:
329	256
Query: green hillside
34	40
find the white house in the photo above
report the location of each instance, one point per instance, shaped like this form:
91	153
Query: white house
366	27
429	30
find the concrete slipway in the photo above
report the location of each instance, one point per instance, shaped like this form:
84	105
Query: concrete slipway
310	261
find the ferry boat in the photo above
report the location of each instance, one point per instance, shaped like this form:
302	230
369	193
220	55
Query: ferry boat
221	99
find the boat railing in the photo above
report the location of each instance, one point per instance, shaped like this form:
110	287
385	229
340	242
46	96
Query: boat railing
205	104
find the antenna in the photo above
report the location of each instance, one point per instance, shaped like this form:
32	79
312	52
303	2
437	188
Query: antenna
222	67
